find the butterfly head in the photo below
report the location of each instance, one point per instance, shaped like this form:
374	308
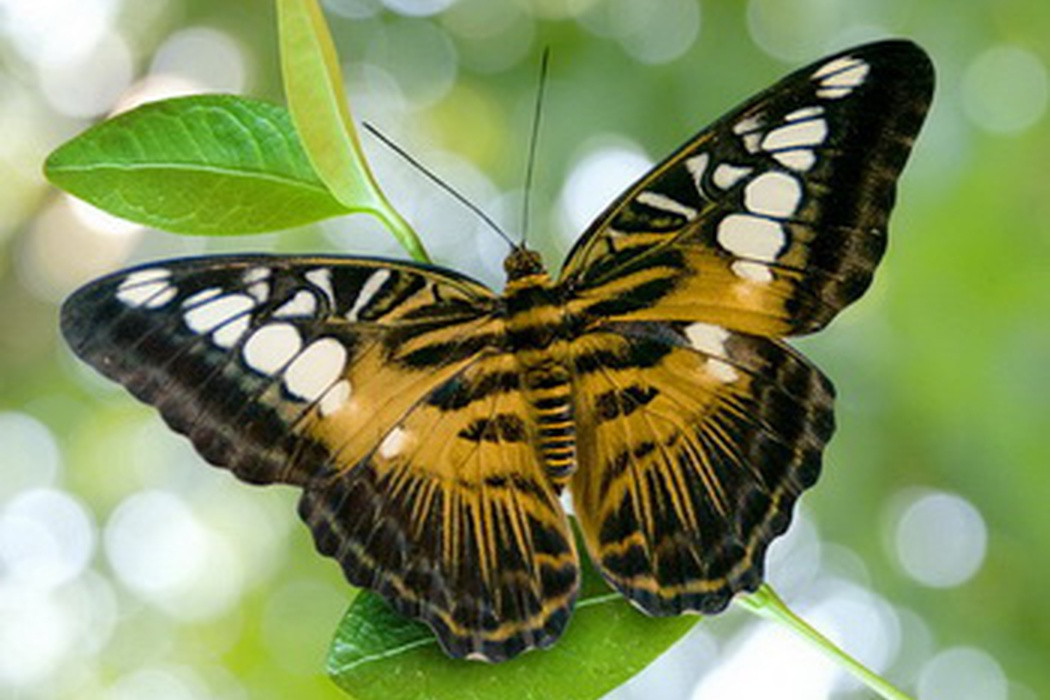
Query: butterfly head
522	263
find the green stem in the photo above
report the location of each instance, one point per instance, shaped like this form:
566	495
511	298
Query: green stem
313	85
402	231
766	603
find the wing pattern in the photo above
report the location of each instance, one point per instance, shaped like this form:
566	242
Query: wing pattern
697	442
453	518
240	352
771	220
361	381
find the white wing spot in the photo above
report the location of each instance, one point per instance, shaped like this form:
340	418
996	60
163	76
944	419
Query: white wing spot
722	371
804	113
336	397
322	279
256	274
839	64
316	369
752	271
810	132
260	291
751	237
707	338
840	77
151	275
270	348
696	165
201	297
774	194
748	129
727	175
368	290
302	304
159	294
150	288
210	315
747	124
800	160
665	203
394	443
228	335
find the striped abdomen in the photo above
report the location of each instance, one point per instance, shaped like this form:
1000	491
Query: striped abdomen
538	337
549	391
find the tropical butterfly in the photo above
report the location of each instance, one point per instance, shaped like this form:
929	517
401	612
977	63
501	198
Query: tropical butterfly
433	423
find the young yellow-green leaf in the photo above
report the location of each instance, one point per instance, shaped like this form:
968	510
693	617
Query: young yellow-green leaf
313	86
380	655
208	164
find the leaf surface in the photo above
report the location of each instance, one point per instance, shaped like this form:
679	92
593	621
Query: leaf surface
378	654
207	164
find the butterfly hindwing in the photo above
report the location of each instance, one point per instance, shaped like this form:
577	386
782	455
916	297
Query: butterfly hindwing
771	220
697	441
453	518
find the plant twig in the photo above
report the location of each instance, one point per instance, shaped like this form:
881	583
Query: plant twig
767	604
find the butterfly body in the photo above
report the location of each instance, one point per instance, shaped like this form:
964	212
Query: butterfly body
432	423
539	332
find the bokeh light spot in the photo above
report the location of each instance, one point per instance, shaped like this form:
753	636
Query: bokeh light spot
606	168
790	669
353	9
159	684
89	86
418	8
55	31
160	549
652	32
941	539
1005	89
30	456
34	635
63	250
46	538
155	543
962	673
204	56
420	56
793	30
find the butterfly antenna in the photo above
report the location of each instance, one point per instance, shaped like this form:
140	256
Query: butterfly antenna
533	139
438	181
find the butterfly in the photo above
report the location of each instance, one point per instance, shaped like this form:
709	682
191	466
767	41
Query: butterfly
433	423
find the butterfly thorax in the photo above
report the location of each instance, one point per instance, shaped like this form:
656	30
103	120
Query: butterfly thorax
538	336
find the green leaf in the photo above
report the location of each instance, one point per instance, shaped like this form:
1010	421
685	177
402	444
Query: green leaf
208	164
380	655
313	86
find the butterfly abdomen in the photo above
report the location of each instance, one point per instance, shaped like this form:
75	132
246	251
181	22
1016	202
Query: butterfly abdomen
538	334
550	397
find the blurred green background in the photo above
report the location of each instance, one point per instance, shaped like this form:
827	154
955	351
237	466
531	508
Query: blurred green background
129	569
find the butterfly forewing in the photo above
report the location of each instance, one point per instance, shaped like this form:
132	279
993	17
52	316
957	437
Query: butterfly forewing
249	355
771	220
